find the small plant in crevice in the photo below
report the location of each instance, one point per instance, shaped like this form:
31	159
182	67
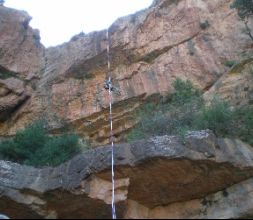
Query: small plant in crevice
7	75
204	25
35	147
191	47
230	63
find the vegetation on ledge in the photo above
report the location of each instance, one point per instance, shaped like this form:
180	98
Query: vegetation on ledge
33	146
186	111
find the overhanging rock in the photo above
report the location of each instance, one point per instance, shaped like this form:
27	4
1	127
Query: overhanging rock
151	174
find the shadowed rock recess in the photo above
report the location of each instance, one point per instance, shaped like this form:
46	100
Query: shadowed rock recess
205	177
161	177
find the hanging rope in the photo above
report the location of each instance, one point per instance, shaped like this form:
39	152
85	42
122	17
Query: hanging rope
109	87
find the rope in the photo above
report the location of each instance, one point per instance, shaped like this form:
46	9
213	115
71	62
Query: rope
109	86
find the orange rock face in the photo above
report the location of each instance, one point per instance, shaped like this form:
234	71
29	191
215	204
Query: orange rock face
236	87
20	48
186	39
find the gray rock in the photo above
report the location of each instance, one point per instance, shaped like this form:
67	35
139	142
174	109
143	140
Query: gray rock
160	171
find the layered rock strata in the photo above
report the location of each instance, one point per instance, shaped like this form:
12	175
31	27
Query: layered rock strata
160	178
171	39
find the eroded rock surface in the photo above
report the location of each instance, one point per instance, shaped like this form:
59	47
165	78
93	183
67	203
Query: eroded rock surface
205	177
153	176
21	62
232	203
236	86
20	48
186	39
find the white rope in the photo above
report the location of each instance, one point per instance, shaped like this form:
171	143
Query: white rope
114	216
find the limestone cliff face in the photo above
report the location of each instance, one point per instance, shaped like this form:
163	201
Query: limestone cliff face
21	62
190	39
20	48
204	177
236	86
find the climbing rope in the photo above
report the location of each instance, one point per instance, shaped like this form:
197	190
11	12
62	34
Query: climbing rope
108	86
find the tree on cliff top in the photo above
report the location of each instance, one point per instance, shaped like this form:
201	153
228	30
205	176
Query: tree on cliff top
245	11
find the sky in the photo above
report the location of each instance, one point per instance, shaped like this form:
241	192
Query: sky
59	20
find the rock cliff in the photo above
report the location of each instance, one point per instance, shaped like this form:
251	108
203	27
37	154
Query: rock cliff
236	86
205	177
187	39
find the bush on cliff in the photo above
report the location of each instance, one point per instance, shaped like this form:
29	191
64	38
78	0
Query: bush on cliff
217	117
186	111
33	146
245	11
244	124
244	8
173	116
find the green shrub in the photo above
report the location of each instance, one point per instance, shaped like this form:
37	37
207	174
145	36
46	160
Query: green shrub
251	70
25	143
217	117
185	111
244	8
5	74
184	93
55	151
136	134
243	123
172	117
146	122
245	11
33	146
230	63
204	25
225	122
